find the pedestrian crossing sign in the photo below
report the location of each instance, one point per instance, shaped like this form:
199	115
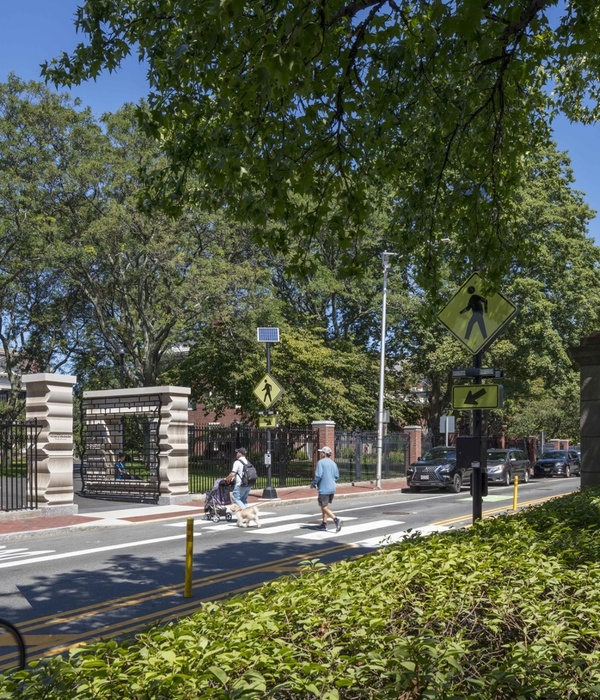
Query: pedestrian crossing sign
475	320
267	391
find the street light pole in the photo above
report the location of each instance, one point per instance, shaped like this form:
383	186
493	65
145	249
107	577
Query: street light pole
385	258
122	366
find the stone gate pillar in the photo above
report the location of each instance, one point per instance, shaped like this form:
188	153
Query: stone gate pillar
49	398
587	356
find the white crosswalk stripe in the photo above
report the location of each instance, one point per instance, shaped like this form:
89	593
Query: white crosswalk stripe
267	527
6	554
380	541
306	526
349	529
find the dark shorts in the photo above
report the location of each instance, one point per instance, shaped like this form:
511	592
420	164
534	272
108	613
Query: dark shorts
325	499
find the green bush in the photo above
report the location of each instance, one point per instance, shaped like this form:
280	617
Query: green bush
509	608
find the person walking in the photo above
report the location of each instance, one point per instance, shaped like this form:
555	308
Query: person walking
326	476
239	495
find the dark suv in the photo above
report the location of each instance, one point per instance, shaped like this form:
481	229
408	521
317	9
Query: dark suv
437	468
558	463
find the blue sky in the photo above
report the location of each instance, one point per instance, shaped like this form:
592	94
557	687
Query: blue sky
33	31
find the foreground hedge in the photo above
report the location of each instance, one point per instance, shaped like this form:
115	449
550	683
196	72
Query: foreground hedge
509	608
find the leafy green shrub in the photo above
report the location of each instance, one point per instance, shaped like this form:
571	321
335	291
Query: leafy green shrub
509	608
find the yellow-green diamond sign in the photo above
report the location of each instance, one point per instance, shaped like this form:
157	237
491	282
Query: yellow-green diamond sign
476	319
268	391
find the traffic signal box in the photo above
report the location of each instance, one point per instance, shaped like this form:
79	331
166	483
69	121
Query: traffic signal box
469	449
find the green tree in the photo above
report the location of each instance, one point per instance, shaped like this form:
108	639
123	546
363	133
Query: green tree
555	287
293	111
44	150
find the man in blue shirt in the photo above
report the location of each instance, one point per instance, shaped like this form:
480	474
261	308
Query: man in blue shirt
326	475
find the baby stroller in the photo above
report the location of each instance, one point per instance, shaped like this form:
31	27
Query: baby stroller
217	500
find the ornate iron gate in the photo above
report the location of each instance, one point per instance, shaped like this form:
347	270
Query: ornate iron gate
18	466
212	452
110	427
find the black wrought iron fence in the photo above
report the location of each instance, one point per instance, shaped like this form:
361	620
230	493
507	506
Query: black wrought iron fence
356	455
18	467
212	452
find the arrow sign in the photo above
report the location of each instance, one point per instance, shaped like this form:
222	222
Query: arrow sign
267	421
466	397
472	396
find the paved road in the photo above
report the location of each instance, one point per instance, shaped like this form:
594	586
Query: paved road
66	588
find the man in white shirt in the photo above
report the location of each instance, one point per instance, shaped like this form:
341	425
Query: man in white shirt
239	495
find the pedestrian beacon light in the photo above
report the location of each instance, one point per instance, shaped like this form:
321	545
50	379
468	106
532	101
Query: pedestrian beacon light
268	336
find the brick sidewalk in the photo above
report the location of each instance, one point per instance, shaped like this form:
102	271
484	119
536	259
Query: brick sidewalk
93	512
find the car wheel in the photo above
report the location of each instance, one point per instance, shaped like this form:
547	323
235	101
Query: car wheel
456	484
415	489
567	471
526	476
506	478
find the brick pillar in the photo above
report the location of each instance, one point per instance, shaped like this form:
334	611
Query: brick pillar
326	430
587	356
415	434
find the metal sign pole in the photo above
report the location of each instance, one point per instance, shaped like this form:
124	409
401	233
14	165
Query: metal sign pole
477	432
269	491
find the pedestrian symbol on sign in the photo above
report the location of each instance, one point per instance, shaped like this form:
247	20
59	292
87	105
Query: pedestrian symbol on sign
477	306
475	318
267	398
268	390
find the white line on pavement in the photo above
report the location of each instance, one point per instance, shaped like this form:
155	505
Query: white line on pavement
351	530
95	550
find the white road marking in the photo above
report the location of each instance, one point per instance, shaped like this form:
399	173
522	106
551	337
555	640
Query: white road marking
379	541
22	552
349	530
309	521
136	512
85	552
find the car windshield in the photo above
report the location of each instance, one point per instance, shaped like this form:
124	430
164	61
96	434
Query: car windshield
439	453
496	455
555	454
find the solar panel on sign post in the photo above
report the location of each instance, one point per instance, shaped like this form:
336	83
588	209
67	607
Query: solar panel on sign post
267	335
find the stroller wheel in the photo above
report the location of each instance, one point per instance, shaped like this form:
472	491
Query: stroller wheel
208	516
215	518
228	516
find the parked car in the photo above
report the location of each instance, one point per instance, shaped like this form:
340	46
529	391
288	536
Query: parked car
504	465
558	463
437	468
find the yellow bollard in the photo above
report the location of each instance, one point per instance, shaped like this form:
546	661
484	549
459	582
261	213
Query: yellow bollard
189	557
515	492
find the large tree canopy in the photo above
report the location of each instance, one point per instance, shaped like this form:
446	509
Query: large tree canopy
291	109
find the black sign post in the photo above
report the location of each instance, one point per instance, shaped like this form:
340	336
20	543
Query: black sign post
478	432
